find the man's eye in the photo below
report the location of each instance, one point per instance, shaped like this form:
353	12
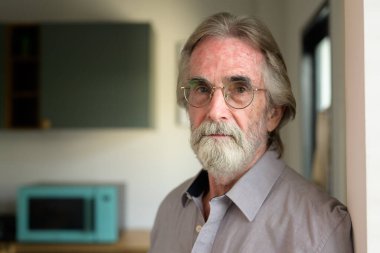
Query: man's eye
201	89
239	88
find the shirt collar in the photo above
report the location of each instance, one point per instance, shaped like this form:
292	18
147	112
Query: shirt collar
250	191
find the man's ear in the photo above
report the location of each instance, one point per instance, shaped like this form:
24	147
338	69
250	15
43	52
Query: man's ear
274	117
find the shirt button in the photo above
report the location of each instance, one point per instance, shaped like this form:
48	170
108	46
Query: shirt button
198	228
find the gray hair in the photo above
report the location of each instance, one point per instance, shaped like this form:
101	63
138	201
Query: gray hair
275	75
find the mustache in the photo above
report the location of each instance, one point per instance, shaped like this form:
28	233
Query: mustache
217	128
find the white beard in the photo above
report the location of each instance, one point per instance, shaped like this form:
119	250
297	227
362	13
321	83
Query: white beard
226	158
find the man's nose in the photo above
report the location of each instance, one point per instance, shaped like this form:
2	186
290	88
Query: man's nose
217	108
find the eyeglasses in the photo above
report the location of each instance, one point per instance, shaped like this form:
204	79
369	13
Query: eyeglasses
237	94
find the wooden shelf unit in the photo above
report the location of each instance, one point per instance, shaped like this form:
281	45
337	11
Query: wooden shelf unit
23	76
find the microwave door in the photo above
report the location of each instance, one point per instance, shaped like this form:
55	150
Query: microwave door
61	214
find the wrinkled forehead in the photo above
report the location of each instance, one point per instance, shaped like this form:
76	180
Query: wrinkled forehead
216	58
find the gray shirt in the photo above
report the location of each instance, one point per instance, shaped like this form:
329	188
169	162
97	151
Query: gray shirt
270	209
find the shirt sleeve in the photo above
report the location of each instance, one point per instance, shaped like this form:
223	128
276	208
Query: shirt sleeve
340	240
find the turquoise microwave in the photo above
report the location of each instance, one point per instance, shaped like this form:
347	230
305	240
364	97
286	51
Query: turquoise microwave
68	213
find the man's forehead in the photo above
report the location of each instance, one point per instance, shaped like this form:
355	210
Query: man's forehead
226	57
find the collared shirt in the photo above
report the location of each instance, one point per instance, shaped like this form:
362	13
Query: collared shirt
272	209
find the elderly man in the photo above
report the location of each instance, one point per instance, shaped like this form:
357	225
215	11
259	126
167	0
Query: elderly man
234	85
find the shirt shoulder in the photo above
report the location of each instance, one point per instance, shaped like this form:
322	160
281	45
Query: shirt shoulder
323	221
170	215
173	200
306	195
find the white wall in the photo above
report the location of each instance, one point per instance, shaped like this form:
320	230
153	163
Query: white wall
362	90
372	121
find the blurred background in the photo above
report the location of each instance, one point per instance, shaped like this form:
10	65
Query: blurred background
142	138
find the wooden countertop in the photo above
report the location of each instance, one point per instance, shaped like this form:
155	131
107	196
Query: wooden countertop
131	241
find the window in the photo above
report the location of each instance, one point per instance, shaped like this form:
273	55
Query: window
316	97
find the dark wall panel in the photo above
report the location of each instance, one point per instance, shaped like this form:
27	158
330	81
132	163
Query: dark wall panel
95	75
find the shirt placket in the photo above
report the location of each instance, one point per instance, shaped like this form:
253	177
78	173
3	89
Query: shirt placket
207	232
